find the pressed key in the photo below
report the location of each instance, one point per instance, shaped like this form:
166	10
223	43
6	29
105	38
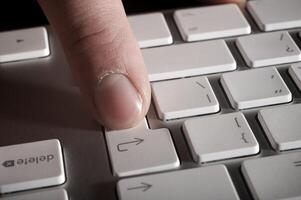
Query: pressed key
295	72
23	44
184	97
188	60
49	194
266	49
198	24
150	30
282	126
275	177
273	15
31	165
254	88
220	137
212	182
140	150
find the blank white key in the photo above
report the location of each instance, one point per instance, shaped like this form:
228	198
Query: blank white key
184	97
282	126
220	137
31	165
254	88
23	44
274	178
139	150
49	194
211	182
268	49
188	60
273	15
295	72
211	22
150	30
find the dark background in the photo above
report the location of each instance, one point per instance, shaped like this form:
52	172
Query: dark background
27	13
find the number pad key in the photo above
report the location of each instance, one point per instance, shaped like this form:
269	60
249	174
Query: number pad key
220	137
268	49
184	97
254	88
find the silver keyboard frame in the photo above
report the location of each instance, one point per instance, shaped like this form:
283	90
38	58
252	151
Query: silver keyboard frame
39	100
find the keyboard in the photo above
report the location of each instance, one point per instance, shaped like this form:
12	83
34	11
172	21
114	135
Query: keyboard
224	122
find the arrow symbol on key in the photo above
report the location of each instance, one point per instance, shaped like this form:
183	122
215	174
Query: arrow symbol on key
19	40
143	186
120	147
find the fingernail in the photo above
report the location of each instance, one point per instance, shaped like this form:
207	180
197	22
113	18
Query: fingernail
117	101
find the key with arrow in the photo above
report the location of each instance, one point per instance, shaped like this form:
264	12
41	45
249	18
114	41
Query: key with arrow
143	187
122	146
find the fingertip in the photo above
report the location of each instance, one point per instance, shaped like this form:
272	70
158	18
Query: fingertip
117	102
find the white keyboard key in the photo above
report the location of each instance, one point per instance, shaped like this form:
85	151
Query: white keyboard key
150	30
282	126
254	88
194	96
49	194
23	44
31	165
139	150
211	22
220	137
273	15
295	72
266	49
211	182
274	178
188	60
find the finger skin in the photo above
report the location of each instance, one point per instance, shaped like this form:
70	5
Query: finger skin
98	41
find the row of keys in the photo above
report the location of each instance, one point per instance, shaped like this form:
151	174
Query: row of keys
197	24
276	177
208	57
244	89
140	150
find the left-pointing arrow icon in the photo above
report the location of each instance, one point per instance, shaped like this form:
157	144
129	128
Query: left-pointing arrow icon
143	186
8	163
122	146
19	40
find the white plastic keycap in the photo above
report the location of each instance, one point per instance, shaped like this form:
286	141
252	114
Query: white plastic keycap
273	15
211	182
49	194
295	72
150	30
211	22
275	177
184	97
220	137
31	165
255	88
188	60
282	126
140	150
266	49
23	44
